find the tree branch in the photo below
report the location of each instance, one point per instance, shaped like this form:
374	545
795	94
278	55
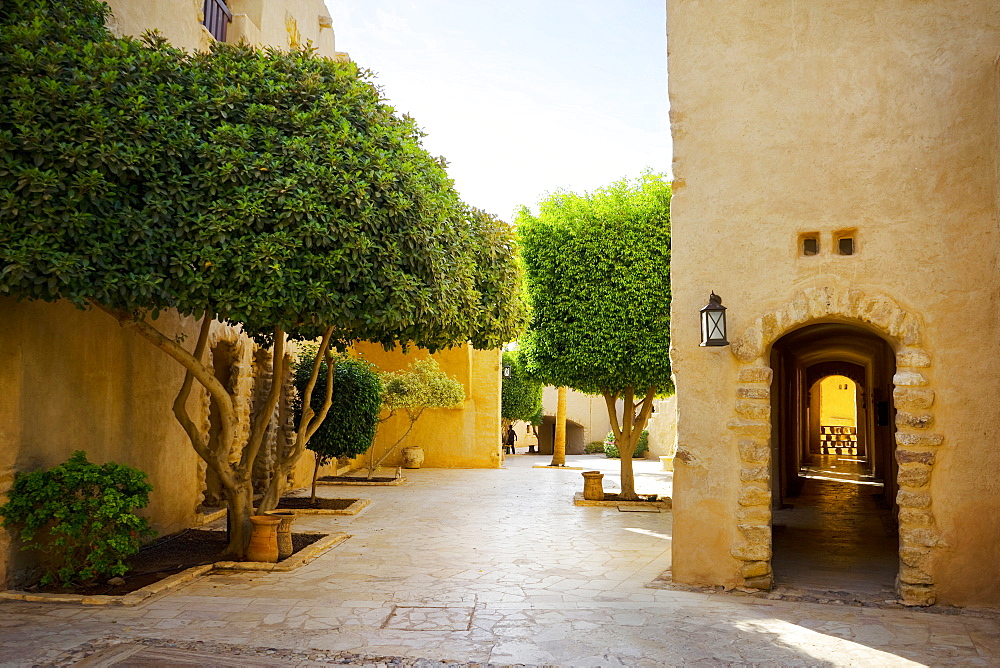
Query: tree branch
306	398
309	423
611	398
628	416
180	402
198	369
646	408
413	421
195	369
318	419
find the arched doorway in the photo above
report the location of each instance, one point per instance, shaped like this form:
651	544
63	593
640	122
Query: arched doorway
834	515
575	434
910	406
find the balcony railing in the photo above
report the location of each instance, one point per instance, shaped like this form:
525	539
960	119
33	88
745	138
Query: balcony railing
217	18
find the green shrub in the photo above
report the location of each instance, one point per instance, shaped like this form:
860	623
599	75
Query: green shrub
79	515
641	448
594	447
349	427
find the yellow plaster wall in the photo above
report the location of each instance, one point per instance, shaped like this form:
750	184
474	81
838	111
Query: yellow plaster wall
278	23
75	380
838	406
794	117
179	21
463	437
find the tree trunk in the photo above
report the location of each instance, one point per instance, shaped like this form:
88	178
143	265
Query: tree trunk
312	499
626	448
235	476
559	443
309	422
239	502
373	465
628	431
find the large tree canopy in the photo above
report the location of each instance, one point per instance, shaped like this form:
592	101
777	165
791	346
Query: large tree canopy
273	189
598	276
268	188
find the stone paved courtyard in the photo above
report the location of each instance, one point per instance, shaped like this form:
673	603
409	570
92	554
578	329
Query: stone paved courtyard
487	566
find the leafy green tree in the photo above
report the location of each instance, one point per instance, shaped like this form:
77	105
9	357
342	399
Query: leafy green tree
413	390
271	189
521	395
598	277
352	418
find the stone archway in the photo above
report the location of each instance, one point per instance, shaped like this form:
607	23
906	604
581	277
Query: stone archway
916	442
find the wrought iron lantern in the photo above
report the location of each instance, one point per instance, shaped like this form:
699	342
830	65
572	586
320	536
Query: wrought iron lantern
713	323
506	370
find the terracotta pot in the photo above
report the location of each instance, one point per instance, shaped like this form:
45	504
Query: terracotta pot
413	457
593	488
264	539
285	548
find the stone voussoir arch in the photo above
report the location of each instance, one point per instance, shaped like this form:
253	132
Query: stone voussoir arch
916	441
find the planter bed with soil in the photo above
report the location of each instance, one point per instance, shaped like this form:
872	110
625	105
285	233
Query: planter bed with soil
359	480
650	502
303	506
172	561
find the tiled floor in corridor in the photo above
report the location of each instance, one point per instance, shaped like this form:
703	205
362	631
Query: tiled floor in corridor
837	533
499	566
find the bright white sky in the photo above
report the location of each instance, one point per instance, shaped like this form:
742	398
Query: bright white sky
521	97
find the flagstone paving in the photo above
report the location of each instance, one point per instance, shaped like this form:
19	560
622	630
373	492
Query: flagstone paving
487	566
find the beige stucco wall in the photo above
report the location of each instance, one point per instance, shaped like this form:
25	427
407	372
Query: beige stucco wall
467	436
278	23
793	117
662	428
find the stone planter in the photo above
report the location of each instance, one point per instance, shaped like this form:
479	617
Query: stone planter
413	457
285	548
264	539
593	487
667	463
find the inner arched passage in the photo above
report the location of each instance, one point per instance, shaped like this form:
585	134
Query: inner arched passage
832	460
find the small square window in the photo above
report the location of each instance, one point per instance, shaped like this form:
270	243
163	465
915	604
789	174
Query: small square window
845	245
810	245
